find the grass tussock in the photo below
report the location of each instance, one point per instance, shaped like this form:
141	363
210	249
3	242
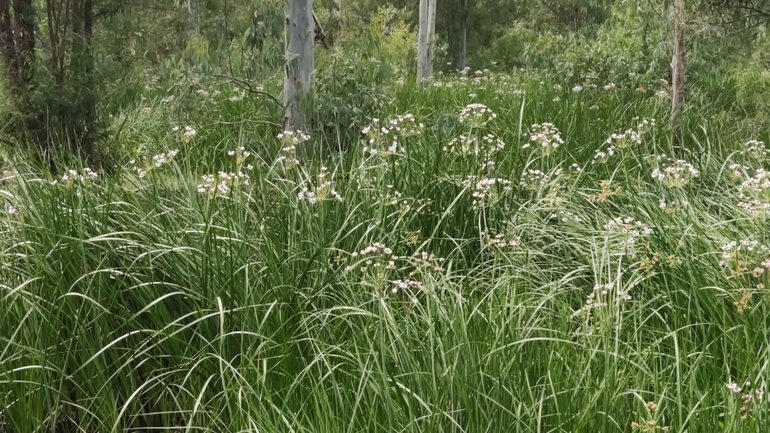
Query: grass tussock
543	262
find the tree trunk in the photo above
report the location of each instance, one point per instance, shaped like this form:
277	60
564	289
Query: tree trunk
431	38
337	11
17	41
7	43
299	62
192	10
426	39
26	42
422	41
464	36
678	68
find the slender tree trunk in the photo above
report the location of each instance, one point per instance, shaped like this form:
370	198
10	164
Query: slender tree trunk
17	42
17	46
464	35
299	62
89	97
7	42
678	69
431	38
337	11
192	10
426	39
26	41
422	41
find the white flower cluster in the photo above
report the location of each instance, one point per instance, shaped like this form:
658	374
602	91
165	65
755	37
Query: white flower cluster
290	140
502	241
602	293
739	251
395	199
71	177
755	208
156	161
485	146
603	156
401	127
189	133
628	230
759	183
377	248
674	173
374	256
293	138
533	179
564	216
623	140
427	262
671	206
404	285
544	136
737	171
406	125
324	190
240	154
476	115
221	183
756	149
485	190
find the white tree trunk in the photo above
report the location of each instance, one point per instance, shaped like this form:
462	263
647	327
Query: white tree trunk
192	10
299	62
422	40
677	78
426	39
337	11
431	38
464	42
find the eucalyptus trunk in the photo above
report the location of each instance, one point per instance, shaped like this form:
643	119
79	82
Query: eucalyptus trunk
464	35
431	38
192	10
17	42
300	30
422	40
678	70
426	39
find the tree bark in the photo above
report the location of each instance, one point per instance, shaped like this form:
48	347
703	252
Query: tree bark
422	41
464	35
192	23
431	38
299	62
17	37
26	42
7	43
678	70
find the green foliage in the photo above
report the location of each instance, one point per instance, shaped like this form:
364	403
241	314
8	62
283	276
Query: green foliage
214	278
147	304
351	88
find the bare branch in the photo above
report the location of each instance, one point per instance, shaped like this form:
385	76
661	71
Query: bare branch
245	85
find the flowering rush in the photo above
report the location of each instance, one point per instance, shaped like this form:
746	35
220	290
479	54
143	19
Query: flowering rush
544	136
476	115
628	230
323	191
674	173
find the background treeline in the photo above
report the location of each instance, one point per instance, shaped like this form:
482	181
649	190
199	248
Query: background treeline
71	66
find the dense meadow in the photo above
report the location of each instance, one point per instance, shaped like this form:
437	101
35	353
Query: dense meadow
501	252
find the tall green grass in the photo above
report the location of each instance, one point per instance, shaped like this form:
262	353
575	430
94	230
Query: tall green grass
140	304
